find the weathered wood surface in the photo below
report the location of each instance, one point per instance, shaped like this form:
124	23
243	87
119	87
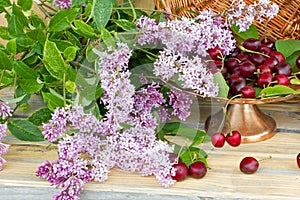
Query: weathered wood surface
277	178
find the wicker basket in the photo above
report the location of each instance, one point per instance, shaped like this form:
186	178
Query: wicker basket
286	25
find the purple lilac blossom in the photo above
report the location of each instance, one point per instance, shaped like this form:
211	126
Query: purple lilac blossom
180	102
244	15
191	72
63	4
5	111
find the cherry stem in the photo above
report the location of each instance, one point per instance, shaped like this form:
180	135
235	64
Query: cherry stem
250	51
225	113
266	158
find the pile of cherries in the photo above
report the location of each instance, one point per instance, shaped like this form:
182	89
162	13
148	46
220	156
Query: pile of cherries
197	169
254	63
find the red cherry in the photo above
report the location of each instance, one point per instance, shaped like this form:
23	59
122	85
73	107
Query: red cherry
283	68
197	169
249	165
271	62
298	62
234	138
298	160
279	56
264	80
263	69
248	92
265	49
215	53
282	79
181	171
218	140
252	44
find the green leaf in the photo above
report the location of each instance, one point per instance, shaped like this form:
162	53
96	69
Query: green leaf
125	24
37	34
7	79
73	39
15	28
37	21
15	100
52	101
198	138
169	127
25	131
77	2
4	33
17	11
11	46
25	42
53	60
91	56
5	3
5	61
62	44
252	32
24	107
287	47
70	86
40	116
20	93
295	81
30	86
84	29
24	71
107	38
192	155
25	4
277	90
62	20
70	53
101	12
221	83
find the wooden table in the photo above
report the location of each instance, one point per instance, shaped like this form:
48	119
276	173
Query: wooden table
277	178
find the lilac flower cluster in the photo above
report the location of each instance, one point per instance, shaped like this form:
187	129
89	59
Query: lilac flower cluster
5	111
88	148
187	36
244	15
63	4
191	72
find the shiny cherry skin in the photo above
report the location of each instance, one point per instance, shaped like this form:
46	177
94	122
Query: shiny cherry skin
248	92
252	44
218	139
264	80
197	169
181	171
249	165
234	138
282	79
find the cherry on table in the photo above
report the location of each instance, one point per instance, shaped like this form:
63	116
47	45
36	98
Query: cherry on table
181	171
198	170
234	138
249	165
218	139
298	160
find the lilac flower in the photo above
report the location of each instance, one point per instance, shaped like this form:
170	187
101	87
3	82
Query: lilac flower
180	102
149	29
63	4
191	72
244	15
5	110
163	114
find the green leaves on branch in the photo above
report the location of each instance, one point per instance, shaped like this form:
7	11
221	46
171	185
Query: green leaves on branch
84	29
53	60
101	12
63	19
252	32
25	130
277	90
